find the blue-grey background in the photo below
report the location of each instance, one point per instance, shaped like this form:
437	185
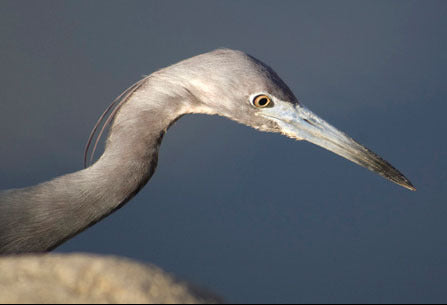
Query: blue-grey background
254	217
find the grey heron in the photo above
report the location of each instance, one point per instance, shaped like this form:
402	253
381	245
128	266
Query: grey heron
223	82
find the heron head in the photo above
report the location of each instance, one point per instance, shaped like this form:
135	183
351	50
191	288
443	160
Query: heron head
242	88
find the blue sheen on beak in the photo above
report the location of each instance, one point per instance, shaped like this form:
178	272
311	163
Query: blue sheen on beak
298	122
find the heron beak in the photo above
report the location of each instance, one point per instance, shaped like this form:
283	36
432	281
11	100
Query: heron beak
297	122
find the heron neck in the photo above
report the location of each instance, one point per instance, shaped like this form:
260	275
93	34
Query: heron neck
131	153
54	211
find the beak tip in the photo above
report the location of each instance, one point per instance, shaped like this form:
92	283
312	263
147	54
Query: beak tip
409	186
404	182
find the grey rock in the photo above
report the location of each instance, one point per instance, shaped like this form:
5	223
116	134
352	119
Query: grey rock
80	278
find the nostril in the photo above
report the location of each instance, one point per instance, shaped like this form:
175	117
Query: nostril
308	122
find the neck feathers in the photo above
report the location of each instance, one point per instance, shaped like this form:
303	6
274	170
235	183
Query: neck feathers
41	217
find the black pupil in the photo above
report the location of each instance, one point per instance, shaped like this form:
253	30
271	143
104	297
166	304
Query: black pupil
263	101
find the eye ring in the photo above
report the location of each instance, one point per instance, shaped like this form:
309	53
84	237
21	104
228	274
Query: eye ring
262	101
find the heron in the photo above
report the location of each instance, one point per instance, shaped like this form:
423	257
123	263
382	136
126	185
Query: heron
224	82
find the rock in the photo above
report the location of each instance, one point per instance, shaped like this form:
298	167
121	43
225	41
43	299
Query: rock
80	278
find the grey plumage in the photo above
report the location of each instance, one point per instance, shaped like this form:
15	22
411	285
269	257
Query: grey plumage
223	82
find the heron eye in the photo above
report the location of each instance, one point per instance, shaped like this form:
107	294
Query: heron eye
262	101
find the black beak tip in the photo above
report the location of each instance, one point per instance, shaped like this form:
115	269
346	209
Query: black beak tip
408	185
402	181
